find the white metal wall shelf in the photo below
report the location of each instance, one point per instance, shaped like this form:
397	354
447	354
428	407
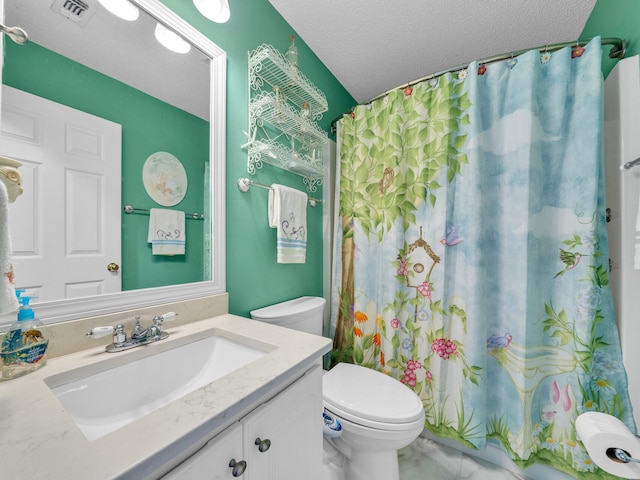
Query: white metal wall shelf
281	156
267	108
284	106
266	64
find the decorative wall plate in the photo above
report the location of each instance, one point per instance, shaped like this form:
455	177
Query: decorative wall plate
164	179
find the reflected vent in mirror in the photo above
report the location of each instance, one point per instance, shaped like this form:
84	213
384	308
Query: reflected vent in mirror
78	11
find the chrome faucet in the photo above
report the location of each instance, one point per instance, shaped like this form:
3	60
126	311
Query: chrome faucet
139	336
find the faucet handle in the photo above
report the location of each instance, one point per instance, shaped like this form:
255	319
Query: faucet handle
99	332
137	329
119	336
167	317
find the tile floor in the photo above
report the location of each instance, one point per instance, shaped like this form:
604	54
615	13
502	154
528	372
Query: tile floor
425	459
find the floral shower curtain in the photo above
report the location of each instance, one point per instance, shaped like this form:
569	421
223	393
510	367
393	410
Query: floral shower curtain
472	263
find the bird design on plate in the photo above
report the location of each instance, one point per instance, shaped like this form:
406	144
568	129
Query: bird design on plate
570	260
499	341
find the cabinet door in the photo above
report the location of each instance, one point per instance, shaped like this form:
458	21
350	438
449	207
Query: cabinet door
212	461
291	423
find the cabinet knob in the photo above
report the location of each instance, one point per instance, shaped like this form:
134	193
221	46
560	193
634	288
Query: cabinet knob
238	468
263	445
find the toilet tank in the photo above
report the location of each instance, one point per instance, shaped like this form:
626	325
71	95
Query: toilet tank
304	314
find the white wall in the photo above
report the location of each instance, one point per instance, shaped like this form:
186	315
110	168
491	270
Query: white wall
622	145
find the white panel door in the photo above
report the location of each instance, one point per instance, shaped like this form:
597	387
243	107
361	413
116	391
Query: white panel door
65	228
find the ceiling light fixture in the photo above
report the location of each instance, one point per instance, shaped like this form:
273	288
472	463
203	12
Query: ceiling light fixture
215	10
171	40
121	8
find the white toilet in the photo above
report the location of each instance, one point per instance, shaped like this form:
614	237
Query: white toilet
379	415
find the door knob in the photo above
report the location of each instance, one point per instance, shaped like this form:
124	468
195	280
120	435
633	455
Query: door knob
113	267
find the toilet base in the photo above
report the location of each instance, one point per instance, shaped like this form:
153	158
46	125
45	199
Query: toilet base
371	453
332	472
372	466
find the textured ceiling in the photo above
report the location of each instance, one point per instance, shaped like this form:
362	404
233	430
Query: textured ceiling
375	45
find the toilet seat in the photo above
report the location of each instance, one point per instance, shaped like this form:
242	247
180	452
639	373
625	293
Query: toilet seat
369	398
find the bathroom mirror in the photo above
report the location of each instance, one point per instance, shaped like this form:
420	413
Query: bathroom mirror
205	100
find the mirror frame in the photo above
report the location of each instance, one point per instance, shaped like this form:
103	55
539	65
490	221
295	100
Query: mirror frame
76	308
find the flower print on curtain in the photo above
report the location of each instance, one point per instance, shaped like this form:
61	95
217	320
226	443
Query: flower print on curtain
473	262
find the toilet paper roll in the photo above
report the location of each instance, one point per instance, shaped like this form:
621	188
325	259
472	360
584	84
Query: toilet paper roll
601	434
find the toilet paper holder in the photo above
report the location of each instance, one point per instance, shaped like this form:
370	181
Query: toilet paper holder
620	455
608	442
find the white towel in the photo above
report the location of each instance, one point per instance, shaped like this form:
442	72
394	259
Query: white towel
8	300
166	232
288	214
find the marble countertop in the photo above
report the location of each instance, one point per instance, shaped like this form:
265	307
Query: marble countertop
39	440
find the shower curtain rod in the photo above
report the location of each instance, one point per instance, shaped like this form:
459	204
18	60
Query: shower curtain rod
618	50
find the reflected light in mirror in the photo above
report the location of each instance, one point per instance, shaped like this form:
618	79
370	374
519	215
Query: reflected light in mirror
122	9
171	40
215	10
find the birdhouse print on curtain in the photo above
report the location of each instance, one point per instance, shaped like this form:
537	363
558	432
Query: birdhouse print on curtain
416	265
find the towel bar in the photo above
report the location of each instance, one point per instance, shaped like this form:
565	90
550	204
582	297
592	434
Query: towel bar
245	183
630	165
145	211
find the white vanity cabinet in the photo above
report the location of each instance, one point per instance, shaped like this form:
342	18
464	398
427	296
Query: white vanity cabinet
288	430
292	424
212	461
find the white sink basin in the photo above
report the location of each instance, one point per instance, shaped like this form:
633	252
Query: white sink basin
103	397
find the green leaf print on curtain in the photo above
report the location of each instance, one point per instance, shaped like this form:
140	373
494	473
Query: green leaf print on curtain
473	254
404	142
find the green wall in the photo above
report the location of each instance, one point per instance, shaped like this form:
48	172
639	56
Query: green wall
254	279
148	126
615	18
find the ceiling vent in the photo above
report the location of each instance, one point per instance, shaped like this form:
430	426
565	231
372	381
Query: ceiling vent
78	11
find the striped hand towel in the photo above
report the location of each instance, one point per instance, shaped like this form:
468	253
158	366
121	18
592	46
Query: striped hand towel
166	232
288	214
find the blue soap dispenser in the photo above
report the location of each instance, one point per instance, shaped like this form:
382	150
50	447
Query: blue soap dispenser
24	346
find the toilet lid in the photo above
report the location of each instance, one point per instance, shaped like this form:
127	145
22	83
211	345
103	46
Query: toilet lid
367	397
